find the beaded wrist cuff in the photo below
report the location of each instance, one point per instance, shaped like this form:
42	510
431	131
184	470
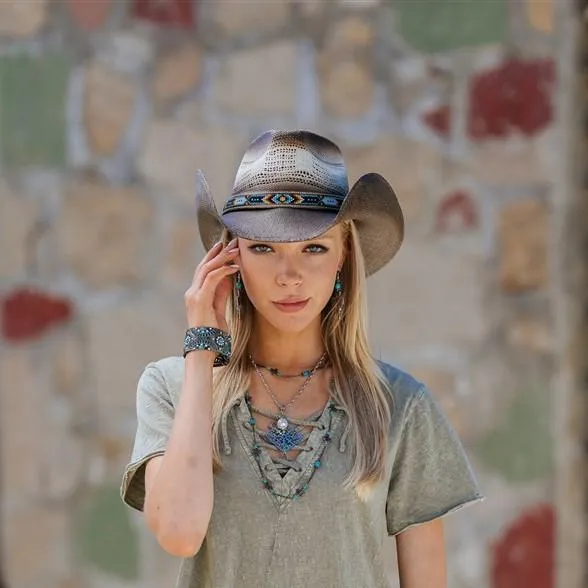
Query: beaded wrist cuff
209	339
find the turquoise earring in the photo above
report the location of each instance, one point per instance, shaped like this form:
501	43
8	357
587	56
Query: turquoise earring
237	293
338	295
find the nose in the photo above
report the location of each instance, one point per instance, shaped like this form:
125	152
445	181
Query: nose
288	273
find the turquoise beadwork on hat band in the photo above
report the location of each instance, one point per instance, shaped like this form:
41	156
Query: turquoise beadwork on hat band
285	199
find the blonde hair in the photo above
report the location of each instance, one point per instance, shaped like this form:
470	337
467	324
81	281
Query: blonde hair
359	384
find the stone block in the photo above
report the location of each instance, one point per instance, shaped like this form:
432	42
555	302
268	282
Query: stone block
258	82
20	421
22	19
431	26
521	446
523	242
426	297
89	16
389	156
531	334
214	150
541	14
33	92
185	250
504	162
18	222
249	17
103	233
121	342
109	100
105	536
34	537
171	13
177	73
345	66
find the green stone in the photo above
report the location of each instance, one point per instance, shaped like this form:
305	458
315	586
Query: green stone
521	447
106	538
442	25
33	92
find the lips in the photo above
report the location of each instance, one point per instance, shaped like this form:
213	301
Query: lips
291	304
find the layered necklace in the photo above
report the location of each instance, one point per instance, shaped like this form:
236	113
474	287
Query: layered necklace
281	434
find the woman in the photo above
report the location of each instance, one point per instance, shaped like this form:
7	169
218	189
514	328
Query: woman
317	451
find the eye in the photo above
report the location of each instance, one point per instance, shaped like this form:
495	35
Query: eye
314	249
260	248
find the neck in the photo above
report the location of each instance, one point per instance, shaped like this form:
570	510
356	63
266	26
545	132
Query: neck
288	352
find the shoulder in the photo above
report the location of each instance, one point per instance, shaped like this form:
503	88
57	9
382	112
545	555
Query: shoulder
404	390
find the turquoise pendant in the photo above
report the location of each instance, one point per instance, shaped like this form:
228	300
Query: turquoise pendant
283	437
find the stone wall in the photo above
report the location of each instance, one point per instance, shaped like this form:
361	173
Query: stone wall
108	108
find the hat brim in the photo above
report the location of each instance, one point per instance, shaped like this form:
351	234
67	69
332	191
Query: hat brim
371	203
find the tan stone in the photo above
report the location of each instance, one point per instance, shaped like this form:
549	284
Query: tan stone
260	81
102	232
347	89
21	423
426	297
215	151
109	100
250	16
523	240
345	67
177	73
348	35
33	538
530	334
20	18
140	331
184	253
496	162
18	221
541	14
389	156
42	451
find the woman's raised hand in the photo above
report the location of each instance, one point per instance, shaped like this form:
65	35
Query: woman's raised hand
206	298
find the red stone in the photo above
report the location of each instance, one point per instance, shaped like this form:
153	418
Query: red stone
456	211
177	13
439	120
28	314
515	97
89	15
524	555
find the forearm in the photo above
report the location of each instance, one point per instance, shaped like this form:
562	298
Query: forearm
179	498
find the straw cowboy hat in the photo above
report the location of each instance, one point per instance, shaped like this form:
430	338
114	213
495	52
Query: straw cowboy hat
293	186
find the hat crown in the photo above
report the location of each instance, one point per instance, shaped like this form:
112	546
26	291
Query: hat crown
292	161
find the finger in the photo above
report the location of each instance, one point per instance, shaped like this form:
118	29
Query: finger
226	258
212	280
214	250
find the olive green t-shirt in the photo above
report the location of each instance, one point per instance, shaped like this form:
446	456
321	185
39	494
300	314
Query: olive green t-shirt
328	537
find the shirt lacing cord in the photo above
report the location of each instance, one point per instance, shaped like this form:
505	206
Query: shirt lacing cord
224	428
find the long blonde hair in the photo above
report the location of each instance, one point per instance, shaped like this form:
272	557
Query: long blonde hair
359	384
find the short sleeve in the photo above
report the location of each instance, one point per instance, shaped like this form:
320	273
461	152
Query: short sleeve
154	421
431	474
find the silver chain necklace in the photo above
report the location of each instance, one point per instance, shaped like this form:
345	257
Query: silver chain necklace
282	435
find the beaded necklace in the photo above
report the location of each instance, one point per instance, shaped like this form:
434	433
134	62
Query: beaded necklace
256	447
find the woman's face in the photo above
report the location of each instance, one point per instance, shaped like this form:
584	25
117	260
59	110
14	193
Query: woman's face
289	284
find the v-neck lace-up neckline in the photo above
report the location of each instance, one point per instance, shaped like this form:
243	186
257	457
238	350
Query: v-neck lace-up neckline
286	476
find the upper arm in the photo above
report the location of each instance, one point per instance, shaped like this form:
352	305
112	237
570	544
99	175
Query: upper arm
421	556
